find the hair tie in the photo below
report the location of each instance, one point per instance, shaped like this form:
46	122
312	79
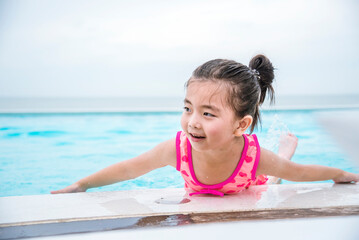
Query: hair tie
256	73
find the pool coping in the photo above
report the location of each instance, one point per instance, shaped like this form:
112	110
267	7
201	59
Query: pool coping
15	105
166	109
47	215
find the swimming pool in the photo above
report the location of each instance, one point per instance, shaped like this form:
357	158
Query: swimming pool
44	152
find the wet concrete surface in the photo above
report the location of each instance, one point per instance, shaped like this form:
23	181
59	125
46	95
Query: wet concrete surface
41	215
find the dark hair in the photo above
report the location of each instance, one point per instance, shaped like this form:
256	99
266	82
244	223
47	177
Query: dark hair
247	86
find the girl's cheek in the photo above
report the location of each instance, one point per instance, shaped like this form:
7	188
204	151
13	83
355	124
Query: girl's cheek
214	129
183	122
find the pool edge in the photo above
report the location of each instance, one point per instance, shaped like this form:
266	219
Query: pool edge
276	202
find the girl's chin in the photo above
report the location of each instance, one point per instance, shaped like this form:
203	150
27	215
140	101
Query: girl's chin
199	146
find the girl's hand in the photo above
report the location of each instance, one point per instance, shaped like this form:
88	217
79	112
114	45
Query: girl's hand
346	177
73	188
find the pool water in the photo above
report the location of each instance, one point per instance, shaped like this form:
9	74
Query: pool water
44	152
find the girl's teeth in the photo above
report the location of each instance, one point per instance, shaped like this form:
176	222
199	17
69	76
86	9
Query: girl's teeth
196	136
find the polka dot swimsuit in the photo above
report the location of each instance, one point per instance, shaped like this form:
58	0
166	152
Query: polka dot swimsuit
243	176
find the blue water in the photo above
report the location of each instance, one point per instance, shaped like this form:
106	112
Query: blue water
44	152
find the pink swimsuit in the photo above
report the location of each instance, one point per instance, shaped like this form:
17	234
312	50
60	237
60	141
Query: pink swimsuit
243	176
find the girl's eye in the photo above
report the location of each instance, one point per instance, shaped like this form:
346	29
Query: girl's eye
208	114
186	109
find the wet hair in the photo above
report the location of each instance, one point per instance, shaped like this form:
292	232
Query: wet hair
247	86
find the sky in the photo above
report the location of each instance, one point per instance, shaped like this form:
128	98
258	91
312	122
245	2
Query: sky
139	48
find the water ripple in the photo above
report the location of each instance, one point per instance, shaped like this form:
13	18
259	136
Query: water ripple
64	143
11	135
122	132
46	133
7	128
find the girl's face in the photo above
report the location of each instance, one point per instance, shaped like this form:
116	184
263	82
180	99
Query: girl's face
208	120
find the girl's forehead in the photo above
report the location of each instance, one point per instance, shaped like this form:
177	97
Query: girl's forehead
207	92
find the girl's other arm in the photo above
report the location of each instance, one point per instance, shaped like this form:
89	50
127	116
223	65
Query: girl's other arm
275	165
160	156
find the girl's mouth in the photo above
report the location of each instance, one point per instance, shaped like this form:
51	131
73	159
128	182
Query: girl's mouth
196	137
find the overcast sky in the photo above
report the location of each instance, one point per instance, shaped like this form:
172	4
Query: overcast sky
65	48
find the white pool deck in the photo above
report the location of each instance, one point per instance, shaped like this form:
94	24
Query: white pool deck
147	210
288	211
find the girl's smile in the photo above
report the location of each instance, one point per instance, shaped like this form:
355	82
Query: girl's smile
196	138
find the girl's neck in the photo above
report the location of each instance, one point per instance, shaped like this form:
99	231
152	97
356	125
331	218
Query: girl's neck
214	157
215	166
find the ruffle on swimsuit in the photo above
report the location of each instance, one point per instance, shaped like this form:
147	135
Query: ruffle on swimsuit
243	176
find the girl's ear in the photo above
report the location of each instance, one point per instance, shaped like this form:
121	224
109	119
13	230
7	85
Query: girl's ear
243	125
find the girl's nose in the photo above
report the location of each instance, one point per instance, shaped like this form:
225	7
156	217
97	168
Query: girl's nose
194	122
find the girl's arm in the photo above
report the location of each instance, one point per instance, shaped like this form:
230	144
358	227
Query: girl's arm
280	166
160	156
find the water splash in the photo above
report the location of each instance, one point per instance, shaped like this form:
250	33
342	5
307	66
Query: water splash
278	127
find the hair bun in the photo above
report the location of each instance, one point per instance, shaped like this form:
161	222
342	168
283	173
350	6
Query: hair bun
265	69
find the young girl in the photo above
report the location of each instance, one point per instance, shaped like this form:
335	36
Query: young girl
213	153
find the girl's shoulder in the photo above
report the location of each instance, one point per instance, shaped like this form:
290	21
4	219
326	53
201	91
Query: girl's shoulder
163	154
167	152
